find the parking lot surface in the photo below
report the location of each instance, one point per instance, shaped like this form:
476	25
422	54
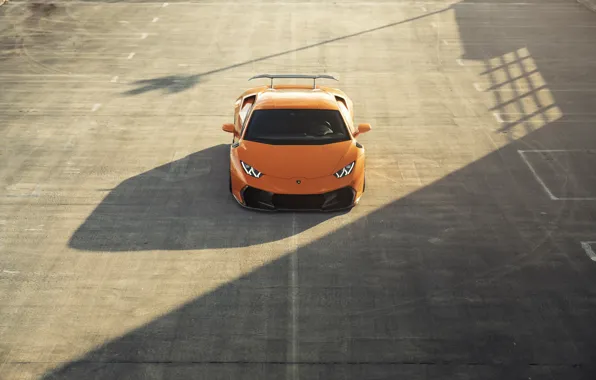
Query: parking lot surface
470	256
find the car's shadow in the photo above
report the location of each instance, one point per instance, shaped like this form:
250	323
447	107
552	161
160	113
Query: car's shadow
182	205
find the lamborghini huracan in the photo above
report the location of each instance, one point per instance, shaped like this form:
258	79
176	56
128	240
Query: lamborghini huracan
294	148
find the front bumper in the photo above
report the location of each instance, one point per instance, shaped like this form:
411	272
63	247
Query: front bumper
335	200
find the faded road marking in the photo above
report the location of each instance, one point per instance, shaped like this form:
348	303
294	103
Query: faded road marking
540	181
293	297
587	246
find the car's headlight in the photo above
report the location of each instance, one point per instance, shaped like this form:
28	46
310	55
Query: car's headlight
250	170
345	170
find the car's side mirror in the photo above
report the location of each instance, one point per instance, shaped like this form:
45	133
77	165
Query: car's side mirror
228	127
363	128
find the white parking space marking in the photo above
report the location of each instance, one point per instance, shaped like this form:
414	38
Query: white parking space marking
498	117
587	246
478	87
460	62
144	35
131	55
556	150
95	107
155	19
164	5
541	182
293	296
114	79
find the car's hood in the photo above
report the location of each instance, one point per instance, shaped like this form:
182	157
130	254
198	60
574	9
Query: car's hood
294	161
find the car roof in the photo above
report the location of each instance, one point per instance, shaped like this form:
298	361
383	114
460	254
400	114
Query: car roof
295	96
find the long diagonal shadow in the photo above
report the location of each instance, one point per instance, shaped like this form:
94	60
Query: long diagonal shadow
177	83
418	283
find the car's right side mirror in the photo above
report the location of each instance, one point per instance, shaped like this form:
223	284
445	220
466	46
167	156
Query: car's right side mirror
363	128
228	127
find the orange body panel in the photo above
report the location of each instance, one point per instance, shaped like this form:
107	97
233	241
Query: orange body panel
295	169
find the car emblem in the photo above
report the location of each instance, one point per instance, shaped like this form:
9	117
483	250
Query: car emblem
298	182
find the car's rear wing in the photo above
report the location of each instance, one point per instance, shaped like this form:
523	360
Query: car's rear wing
294	76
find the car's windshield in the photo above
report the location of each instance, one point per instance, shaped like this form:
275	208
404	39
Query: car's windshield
296	127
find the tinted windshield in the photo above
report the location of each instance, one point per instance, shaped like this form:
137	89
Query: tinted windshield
296	126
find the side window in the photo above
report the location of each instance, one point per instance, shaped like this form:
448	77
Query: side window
343	108
245	110
248	102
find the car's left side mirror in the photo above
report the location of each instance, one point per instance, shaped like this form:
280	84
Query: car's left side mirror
228	127
363	128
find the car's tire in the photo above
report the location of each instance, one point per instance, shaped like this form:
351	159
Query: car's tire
230	182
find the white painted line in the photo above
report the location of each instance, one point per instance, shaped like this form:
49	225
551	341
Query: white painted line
114	79
498	117
293	298
576	199
95	107
433	24
131	55
460	62
183	64
558	150
424	8
123	22
445	42
155	19
10	271
563	151
587	246
478	87
540	181
164	5
144	35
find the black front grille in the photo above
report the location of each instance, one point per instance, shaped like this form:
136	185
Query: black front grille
298	202
333	200
256	198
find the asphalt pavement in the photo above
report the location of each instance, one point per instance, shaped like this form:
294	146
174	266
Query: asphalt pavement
472	254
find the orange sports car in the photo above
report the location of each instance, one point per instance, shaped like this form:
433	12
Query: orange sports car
295	148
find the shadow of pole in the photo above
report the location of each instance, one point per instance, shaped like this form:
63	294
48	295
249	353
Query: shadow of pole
177	83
